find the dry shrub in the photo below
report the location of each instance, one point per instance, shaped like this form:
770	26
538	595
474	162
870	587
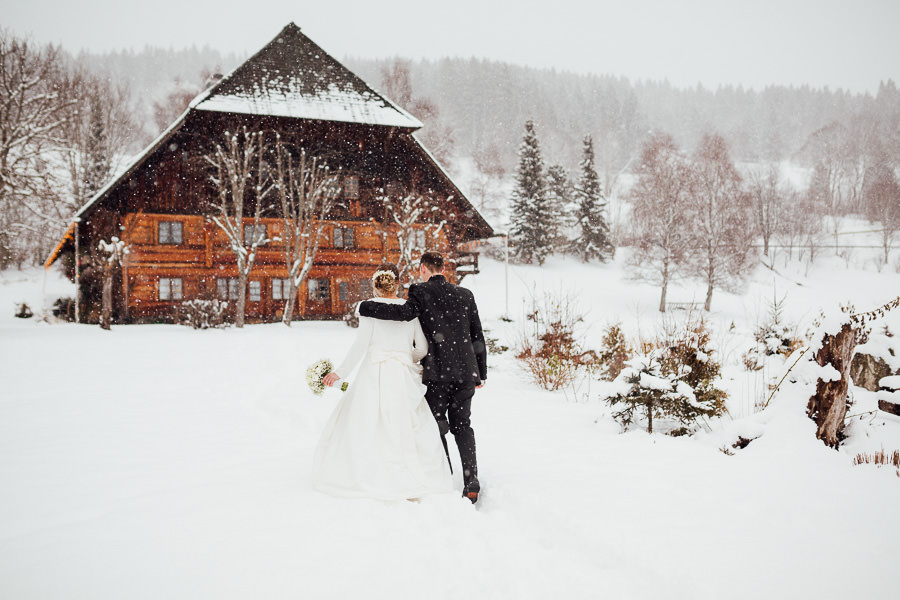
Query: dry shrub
202	314
548	346
614	352
891	459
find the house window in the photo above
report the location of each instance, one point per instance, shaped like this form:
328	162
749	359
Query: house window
351	187
249	238
318	289
170	288
170	232
392	189
255	291
366	289
227	288
344	291
343	237
281	288
417	238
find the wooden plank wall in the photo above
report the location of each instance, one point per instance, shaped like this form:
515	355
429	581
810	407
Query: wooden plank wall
204	256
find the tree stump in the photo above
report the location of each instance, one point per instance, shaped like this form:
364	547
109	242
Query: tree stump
828	406
889	407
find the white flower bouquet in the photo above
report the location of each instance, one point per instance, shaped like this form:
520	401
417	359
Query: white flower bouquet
316	372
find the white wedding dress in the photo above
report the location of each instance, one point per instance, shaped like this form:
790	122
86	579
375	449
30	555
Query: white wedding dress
382	441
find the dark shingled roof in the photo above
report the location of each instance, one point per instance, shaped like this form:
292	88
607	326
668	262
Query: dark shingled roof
293	77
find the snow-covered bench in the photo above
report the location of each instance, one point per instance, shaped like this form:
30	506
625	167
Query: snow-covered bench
683	305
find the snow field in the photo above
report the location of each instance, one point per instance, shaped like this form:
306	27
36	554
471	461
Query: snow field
162	462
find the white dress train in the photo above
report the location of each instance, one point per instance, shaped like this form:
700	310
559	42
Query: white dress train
382	441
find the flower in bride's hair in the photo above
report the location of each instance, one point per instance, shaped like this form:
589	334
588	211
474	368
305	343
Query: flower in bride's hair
383	273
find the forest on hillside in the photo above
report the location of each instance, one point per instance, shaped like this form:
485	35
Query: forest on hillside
474	113
485	103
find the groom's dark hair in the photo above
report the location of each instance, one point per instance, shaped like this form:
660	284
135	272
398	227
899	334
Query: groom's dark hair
433	261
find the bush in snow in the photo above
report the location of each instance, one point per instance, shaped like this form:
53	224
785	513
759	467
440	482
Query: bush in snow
203	314
674	377
775	335
613	352
689	356
64	308
548	346
644	387
23	311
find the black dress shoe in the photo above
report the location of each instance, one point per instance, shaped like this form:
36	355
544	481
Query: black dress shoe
471	490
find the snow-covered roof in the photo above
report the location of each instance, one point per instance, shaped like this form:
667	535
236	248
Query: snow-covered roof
293	77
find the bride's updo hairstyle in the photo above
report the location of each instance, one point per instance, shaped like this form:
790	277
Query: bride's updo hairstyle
386	279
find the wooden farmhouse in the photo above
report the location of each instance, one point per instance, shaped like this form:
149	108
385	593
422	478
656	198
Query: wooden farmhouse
160	205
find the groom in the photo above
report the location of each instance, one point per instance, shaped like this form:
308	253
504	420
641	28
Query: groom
456	363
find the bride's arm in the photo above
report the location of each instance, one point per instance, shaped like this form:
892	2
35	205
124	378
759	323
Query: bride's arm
421	342
358	349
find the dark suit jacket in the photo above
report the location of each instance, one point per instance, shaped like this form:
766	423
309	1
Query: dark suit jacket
449	318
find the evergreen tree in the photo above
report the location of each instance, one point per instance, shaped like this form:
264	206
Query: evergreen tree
532	218
592	231
98	154
559	198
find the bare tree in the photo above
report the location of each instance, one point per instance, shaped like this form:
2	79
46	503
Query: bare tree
722	223
168	109
487	182
767	200
661	216
438	137
883	204
96	139
36	94
242	181
306	191
418	221
831	154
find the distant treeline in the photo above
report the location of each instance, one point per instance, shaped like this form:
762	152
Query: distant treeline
484	103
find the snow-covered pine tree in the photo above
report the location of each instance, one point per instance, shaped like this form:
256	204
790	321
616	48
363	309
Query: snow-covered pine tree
559	198
531	220
644	386
591	229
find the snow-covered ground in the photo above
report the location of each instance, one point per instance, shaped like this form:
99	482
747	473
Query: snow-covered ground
162	462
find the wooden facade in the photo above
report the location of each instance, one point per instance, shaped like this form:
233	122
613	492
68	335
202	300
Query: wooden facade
162	205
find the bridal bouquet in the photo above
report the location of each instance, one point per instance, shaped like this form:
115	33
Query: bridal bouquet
316	372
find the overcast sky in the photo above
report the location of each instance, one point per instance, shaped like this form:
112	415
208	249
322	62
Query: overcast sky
851	44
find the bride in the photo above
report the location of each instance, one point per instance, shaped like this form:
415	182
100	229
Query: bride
382	441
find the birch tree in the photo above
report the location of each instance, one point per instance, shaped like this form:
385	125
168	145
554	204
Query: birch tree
768	202
306	190
883	204
722	223
418	221
661	218
242	180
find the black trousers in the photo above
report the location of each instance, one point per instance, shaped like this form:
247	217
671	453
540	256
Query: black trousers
451	405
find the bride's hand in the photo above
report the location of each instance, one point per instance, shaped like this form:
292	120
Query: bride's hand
331	379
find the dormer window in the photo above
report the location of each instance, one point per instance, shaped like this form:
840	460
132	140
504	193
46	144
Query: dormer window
170	232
